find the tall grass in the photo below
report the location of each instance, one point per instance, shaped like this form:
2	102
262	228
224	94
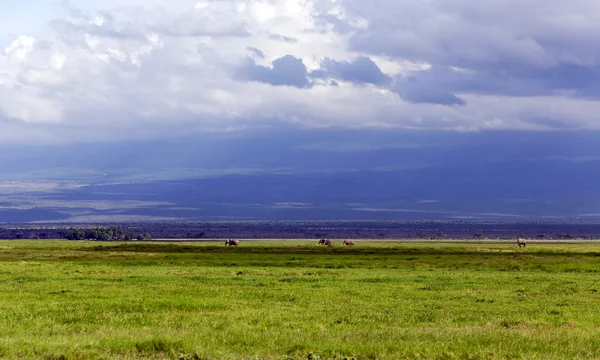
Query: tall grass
294	300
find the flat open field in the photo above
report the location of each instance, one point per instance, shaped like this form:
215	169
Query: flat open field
294	300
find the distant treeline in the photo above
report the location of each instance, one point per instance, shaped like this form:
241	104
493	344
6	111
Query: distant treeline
303	230
99	233
113	233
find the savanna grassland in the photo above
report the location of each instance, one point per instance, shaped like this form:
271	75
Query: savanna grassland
295	300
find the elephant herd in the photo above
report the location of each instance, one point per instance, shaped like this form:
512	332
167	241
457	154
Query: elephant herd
235	242
328	242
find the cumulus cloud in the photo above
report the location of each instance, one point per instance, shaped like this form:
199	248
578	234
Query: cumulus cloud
501	47
287	39
135	69
207	18
256	52
362	70
286	70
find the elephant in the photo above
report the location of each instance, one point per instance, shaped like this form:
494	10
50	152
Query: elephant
325	242
232	242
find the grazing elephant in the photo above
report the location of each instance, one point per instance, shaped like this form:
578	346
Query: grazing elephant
325	242
521	242
232	242
349	242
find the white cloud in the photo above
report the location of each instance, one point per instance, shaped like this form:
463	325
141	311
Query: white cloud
151	68
18	50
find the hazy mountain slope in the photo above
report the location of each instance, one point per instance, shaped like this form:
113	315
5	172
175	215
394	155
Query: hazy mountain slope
348	175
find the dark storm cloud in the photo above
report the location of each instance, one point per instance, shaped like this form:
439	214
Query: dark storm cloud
424	95
360	71
577	80
555	123
439	84
504	47
417	88
284	71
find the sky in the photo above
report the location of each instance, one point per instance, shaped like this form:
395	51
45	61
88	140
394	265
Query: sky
120	70
449	106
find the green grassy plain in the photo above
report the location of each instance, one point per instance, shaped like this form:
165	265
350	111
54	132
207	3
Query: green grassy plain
294	300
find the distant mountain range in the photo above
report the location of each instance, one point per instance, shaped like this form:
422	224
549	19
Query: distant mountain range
307	176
